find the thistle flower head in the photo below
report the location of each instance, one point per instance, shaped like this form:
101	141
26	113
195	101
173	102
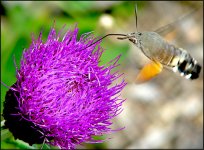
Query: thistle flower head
62	93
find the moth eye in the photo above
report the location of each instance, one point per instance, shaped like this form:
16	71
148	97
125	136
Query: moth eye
133	40
139	33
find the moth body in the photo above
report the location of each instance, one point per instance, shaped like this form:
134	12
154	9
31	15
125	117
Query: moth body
159	50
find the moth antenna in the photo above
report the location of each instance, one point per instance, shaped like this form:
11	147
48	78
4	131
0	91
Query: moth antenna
105	37
136	16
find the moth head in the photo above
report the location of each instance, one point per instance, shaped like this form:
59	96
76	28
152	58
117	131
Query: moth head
132	37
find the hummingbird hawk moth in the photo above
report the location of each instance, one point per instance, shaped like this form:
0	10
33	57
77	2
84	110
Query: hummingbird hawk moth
161	54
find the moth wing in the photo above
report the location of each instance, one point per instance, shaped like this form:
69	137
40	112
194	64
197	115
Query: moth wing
149	71
166	29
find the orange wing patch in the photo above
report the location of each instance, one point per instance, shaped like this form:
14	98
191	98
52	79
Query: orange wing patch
149	71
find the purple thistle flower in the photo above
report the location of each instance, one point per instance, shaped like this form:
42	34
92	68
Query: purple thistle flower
61	94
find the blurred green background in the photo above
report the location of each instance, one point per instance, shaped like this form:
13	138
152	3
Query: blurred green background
20	19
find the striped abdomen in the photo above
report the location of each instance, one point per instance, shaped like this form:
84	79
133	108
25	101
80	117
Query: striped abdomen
179	60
